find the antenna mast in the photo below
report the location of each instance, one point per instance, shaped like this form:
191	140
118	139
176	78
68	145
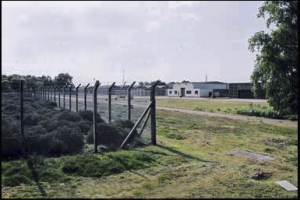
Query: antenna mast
123	78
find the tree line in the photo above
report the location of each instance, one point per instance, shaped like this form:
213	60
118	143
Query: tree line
12	82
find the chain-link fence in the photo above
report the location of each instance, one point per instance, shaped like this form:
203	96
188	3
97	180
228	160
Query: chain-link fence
40	121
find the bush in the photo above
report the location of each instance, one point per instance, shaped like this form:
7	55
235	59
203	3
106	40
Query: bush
64	140
35	130
88	115
15	180
9	126
31	119
50	105
69	116
113	134
11	109
85	126
125	126
16	174
11	148
108	135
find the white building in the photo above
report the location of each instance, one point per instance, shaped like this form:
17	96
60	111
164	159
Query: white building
196	89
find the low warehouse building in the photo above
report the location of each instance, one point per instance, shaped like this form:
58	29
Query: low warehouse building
243	91
196	89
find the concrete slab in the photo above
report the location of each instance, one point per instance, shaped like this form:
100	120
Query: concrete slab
287	185
253	155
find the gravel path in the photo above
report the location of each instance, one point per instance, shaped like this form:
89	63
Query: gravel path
232	116
281	122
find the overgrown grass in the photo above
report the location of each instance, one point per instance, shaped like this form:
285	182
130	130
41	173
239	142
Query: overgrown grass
249	108
214	105
192	159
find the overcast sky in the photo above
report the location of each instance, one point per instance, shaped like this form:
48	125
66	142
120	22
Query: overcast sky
171	41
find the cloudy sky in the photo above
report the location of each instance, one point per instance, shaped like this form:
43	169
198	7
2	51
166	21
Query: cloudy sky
171	41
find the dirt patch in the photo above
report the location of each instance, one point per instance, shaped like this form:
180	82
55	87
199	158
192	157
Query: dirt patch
253	155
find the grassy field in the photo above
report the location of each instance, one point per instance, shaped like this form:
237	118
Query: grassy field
211	105
192	159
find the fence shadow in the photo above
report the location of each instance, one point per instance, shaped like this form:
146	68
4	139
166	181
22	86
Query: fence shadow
184	154
35	176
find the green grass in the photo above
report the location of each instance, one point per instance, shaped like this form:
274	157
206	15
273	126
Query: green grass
192	159
210	105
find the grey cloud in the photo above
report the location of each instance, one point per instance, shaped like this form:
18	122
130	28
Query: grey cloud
102	19
54	32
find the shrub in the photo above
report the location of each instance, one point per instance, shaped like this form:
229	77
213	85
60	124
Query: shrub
88	115
108	135
51	105
16	174
11	148
10	109
49	124
15	180
35	130
64	140
85	126
31	119
124	126
69	116
9	126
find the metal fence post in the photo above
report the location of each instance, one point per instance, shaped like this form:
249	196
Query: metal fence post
51	93
94	116
77	97
109	101
136	124
48	89
153	113
54	94
129	100
85	96
21	118
64	93
70	94
59	96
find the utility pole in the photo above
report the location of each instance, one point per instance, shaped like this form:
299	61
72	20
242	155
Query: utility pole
123	81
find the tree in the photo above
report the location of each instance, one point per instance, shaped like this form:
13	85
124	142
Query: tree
33	83
276	64
63	79
47	81
160	82
184	81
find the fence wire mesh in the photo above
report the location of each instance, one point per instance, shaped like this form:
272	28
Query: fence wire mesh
41	127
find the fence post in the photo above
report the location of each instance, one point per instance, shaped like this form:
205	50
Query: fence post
64	93
70	93
136	124
153	114
59	96
48	89
51	93
94	116
109	101
85	96
21	118
129	100
77	97
54	94
44	93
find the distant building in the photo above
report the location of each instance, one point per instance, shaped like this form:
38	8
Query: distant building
243	91
198	89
